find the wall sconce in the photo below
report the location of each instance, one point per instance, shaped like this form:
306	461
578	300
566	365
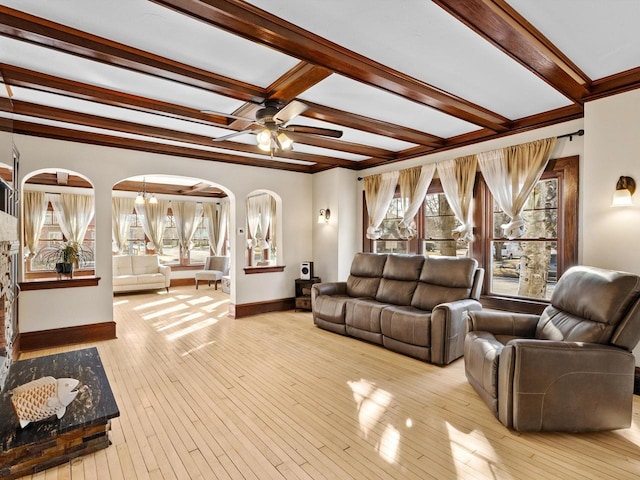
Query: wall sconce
625	187
325	215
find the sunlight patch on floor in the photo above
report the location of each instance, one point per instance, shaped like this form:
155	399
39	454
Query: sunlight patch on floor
186	319
193	328
197	301
372	403
154	304
166	311
199	347
469	447
120	302
210	308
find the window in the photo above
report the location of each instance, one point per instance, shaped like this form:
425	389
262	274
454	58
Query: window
527	267
439	222
138	243
51	235
519	274
390	242
262	248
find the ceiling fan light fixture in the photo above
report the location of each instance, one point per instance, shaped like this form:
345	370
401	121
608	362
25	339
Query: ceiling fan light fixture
264	138
285	142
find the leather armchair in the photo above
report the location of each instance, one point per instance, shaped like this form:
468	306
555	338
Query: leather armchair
569	369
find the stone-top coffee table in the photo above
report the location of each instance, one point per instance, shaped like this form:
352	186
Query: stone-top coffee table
83	429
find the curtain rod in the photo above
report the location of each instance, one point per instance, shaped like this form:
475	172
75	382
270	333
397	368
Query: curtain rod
577	133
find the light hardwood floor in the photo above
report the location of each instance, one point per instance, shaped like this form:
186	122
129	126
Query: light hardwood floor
204	396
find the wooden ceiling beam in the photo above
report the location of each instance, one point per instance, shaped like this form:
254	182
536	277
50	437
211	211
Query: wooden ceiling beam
24	27
370	125
22	77
254	24
501	25
61	115
47	131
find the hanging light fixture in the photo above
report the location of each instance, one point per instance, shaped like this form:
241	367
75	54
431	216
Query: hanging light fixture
144	197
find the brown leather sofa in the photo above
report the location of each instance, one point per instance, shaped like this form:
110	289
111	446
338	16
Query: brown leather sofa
569	369
408	303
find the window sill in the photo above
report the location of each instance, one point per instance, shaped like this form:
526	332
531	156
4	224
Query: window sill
265	269
48	283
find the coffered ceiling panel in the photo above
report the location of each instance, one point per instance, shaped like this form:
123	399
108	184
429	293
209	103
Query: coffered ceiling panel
351	84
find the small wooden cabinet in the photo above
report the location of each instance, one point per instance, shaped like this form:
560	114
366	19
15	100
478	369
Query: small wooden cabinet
303	292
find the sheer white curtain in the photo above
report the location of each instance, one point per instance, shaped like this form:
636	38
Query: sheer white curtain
457	177
264	204
216	218
35	209
121	210
273	237
74	213
379	190
186	216
414	183
511	174
154	217
253	219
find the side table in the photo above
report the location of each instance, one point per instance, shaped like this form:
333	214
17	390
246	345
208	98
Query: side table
303	293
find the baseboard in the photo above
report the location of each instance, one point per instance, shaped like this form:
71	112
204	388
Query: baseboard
182	282
59	337
249	309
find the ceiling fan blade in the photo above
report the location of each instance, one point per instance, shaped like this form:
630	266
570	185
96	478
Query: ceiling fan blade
228	115
327	132
289	111
231	135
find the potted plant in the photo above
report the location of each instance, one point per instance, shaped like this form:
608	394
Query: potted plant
64	256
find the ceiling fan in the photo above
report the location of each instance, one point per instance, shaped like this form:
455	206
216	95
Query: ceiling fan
273	119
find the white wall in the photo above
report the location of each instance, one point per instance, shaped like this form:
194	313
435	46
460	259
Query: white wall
106	166
612	149
335	243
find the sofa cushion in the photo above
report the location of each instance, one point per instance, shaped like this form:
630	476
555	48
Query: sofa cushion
330	308
144	264
125	280
442	280
400	278
150	278
406	324
362	319
365	275
122	265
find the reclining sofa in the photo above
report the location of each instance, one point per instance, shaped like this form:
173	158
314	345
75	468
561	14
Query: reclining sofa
408	303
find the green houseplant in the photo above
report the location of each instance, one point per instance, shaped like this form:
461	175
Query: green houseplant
64	256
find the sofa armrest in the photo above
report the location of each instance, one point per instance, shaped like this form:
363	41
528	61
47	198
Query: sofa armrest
448	329
166	271
504	323
328	288
556	385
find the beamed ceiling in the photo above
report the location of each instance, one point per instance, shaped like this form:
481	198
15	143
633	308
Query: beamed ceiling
399	79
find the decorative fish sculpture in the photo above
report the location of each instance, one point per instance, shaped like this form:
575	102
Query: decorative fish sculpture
43	398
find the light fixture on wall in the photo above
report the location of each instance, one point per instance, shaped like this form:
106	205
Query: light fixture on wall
325	215
625	188
144	197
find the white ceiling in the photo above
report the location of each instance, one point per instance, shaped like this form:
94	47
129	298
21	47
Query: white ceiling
417	39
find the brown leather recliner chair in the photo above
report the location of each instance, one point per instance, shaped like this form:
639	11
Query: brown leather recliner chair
569	369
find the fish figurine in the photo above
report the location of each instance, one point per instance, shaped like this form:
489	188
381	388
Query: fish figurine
43	398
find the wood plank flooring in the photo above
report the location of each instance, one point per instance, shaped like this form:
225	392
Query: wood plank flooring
203	396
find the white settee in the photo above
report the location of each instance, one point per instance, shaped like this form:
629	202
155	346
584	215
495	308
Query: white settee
139	272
